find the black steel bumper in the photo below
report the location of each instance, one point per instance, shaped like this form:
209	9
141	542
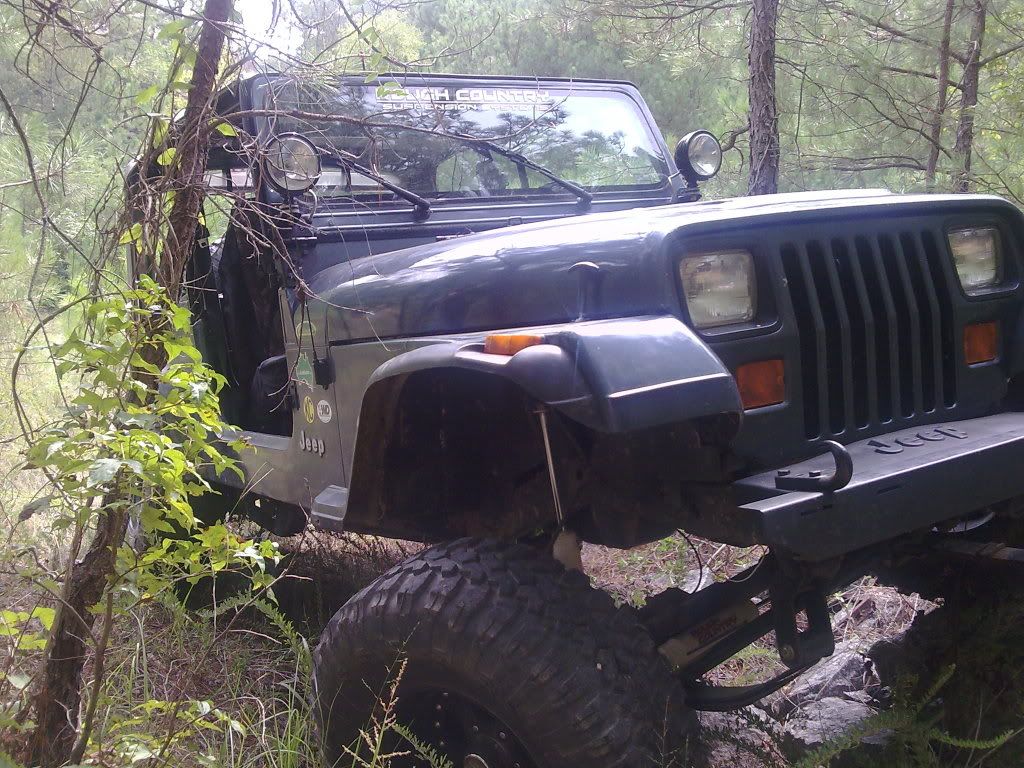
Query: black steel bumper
902	481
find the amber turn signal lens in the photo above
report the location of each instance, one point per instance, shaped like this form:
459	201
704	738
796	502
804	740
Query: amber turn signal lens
761	383
510	343
981	342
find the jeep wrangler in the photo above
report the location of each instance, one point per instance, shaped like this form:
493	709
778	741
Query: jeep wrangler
489	315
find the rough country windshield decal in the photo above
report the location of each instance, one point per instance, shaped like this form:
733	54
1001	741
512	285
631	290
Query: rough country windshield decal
420	138
499	99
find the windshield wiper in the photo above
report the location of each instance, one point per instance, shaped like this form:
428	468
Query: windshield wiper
422	205
484	145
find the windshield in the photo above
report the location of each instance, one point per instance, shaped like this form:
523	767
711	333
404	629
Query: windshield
415	137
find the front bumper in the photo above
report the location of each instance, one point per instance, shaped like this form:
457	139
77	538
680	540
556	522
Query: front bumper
903	481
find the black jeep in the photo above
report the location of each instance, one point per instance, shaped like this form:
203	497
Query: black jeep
492	315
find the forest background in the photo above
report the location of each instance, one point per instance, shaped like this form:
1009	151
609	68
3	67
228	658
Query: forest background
908	95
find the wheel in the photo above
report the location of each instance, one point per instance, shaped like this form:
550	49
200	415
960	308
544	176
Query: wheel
510	662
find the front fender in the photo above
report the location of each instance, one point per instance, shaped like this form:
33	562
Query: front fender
610	375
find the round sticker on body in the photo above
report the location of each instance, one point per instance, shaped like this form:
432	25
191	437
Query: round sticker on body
307	409
324	411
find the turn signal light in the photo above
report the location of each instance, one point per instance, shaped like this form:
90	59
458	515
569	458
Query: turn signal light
761	383
510	343
981	342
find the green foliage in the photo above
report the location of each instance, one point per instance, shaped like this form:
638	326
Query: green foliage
910	730
136	438
374	748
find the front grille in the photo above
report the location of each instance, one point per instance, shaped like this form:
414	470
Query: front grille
875	320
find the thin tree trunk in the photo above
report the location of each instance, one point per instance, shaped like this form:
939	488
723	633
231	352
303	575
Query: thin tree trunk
941	98
193	147
58	698
763	116
59	695
969	102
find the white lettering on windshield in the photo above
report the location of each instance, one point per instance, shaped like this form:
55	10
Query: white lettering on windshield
465	98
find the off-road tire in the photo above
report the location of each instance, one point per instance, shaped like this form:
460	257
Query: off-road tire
576	680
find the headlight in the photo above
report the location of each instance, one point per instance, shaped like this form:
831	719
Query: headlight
698	156
719	287
292	163
978	258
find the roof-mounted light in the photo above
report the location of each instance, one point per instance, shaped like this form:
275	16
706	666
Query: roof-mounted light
698	156
291	163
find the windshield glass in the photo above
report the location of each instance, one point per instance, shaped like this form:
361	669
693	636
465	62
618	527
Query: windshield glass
410	136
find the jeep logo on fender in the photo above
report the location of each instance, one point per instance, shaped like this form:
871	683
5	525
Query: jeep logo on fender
916	439
312	444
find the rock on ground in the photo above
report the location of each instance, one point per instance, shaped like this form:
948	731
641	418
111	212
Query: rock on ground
744	739
847	670
824	721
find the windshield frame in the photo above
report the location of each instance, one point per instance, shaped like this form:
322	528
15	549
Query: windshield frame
260	86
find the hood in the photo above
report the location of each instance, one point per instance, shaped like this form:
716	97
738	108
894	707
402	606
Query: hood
520	276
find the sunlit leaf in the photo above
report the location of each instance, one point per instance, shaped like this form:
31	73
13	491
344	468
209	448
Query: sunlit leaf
166	157
132	235
147	95
173	30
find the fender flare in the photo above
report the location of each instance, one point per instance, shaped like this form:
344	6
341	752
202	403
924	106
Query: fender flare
610	375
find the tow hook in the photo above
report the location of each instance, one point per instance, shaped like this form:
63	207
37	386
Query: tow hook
815	480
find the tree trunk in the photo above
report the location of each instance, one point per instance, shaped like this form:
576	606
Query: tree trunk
969	102
193	148
59	695
941	99
763	115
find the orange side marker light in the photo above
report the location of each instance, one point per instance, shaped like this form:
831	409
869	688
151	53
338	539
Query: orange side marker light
761	383
981	342
510	343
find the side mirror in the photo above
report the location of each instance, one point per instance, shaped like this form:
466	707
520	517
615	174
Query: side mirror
698	156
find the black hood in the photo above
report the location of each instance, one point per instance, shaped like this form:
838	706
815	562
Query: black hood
520	275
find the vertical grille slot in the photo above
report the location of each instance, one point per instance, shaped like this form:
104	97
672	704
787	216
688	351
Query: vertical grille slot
862	324
836	334
933	258
811	367
908	356
928	311
884	313
851	297
875	323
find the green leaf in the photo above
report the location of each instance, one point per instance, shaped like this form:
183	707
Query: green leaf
132	235
19	680
36	505
45	616
103	470
188	54
166	157
139	752
173	30
147	95
390	89
226	129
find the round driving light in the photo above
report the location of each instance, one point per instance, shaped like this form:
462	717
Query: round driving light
292	163
698	155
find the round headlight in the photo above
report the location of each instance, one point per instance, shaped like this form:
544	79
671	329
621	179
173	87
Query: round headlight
698	155
292	163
